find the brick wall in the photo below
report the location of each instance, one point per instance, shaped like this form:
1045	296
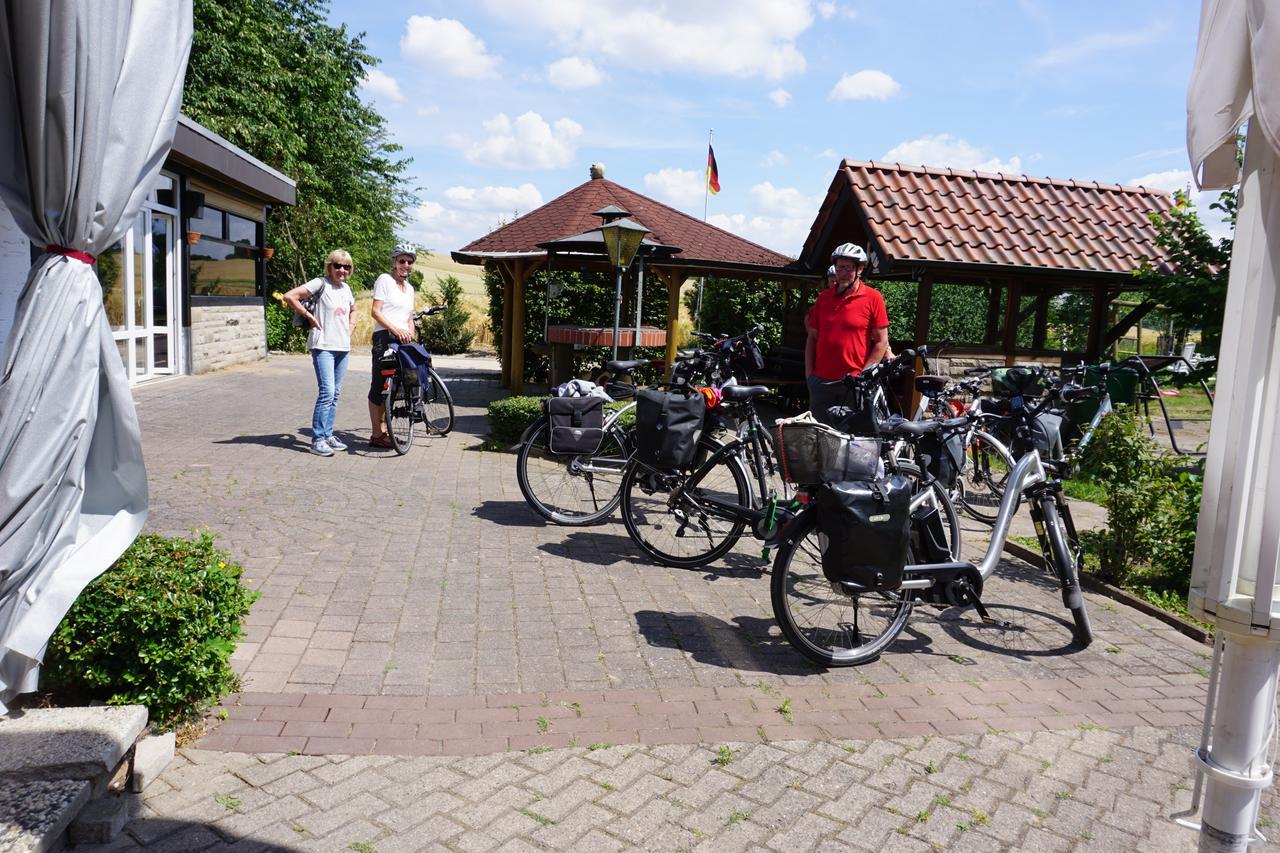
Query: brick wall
226	335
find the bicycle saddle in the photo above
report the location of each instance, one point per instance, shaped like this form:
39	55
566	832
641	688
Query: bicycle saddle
616	367
742	393
931	386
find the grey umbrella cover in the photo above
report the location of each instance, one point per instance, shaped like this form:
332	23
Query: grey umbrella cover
90	92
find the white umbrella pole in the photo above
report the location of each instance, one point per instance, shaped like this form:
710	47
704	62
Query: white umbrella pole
617	311
639	300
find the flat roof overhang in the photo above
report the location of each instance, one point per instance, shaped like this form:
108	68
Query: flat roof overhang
204	152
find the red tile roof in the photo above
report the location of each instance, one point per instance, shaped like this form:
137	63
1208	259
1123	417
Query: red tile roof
922	215
572	212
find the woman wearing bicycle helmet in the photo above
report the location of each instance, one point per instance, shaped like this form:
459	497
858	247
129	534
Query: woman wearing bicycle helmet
392	321
329	342
848	331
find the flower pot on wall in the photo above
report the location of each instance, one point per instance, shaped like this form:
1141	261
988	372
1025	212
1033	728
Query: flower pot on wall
193	237
268	253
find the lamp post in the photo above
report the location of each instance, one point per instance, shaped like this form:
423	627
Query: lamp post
622	237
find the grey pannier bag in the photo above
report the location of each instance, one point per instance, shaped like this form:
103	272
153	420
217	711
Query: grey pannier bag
814	453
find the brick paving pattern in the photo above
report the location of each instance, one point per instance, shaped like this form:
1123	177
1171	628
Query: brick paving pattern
430	666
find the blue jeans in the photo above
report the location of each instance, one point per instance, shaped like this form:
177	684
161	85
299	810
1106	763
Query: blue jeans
331	367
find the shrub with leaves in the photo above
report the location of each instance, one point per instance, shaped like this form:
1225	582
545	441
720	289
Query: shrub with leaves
282	335
511	416
156	629
446	333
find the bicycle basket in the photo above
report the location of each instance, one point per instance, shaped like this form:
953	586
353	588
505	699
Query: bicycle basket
814	453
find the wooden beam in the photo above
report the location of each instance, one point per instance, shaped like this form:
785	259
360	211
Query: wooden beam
1042	319
519	275
673	281
1012	302
508	297
1097	323
924	302
1125	323
993	314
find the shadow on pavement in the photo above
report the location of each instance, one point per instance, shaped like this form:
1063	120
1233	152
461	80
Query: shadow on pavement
1023	632
599	549
509	514
283	440
747	644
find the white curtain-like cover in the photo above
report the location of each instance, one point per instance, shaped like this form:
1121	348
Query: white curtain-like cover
89	98
1236	79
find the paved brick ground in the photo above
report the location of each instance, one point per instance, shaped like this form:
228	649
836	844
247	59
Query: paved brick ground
451	672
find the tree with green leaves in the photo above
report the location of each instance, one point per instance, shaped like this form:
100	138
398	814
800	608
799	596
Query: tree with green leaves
446	333
276	79
1192	280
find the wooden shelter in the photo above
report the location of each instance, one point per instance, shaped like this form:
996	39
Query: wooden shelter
516	252
1015	236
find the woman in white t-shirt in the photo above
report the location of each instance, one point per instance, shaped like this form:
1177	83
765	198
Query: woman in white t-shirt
329	341
392	321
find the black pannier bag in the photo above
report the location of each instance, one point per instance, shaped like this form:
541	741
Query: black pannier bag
946	456
865	528
668	426
929	536
576	424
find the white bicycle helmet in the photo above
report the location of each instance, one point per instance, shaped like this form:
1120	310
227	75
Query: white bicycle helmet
849	250
403	249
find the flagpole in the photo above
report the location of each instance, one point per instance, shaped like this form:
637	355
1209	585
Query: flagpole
706	194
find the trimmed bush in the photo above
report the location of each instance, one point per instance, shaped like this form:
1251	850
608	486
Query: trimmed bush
282	335
156	629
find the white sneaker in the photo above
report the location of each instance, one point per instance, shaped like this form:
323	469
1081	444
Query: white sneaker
321	448
335	443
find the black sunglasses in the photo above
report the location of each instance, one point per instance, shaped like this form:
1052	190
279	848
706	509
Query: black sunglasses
341	267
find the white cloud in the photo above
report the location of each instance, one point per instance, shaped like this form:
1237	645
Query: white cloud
780	97
1092	45
944	150
465	213
1180	179
829	154
774	158
756	38
1173	179
445	45
780	218
573	72
866	85
677	187
380	84
427	110
527	143
827	10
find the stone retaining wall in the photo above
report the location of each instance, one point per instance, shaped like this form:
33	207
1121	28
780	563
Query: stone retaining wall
225	335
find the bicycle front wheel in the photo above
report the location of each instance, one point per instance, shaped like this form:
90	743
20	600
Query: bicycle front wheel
437	405
397	411
694	529
825	624
1067	565
984	477
571	490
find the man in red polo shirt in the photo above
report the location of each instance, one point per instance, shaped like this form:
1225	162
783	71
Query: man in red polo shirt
848	330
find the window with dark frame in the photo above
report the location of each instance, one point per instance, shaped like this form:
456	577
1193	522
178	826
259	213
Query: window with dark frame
224	260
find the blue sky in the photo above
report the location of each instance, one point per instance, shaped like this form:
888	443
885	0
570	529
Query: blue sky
504	104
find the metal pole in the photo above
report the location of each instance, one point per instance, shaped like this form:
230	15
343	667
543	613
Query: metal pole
1237	764
617	312
639	300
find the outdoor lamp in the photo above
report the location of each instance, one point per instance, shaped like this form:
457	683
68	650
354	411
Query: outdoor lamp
622	240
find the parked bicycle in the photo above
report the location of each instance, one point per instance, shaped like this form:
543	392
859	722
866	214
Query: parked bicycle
413	392
576	489
844	622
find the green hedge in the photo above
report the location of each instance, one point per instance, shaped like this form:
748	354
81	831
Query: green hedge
158	629
511	416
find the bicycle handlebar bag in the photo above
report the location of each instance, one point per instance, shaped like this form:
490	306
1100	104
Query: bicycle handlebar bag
813	453
575	424
864	529
1016	382
668	426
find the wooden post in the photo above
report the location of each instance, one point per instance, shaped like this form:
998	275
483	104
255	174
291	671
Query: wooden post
1042	319
1097	323
517	328
924	301
993	314
1011	305
507	300
673	281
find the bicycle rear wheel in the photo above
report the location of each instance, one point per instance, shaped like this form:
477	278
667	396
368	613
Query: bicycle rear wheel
571	490
984	477
825	624
1067	566
437	405
692	531
397	411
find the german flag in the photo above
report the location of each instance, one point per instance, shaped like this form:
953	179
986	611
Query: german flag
713	174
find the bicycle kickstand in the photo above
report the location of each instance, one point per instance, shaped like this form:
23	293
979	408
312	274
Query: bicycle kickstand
987	618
